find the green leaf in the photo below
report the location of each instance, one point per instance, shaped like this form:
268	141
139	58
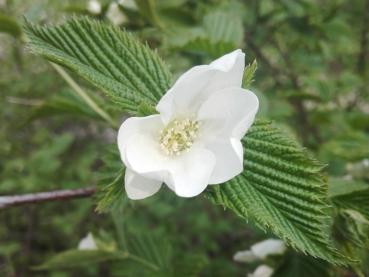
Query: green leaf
201	45
64	103
220	33
78	258
220	26
190	265
350	231
248	74
282	189
350	195
10	26
353	146
148	10
302	266
153	249
110	189
151	254
126	70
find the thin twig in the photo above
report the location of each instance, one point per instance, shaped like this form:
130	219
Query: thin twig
363	54
280	76
85	97
24	101
31	198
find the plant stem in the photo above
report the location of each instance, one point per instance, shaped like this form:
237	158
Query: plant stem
81	93
31	198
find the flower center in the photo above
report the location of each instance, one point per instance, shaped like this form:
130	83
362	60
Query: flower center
178	136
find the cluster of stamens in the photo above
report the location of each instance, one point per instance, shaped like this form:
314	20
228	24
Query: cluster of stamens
178	136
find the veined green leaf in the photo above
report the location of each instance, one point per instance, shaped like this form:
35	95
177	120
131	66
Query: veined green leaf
282	189
126	70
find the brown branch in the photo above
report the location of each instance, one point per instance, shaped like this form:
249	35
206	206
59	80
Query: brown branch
32	198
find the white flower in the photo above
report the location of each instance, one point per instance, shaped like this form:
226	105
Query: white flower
87	243
129	4
115	15
94	6
195	140
261	250
262	271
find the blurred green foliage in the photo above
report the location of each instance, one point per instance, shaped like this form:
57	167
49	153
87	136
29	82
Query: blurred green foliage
312	79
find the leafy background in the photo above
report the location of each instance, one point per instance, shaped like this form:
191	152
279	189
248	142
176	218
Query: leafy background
311	80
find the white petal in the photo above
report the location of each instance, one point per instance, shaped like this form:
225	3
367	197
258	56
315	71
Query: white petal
233	64
229	113
197	84
190	173
139	187
149	126
229	161
144	156
268	247
187	174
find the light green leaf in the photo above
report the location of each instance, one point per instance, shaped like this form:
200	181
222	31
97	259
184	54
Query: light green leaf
78	258
350	231
148	10
220	33
64	103
153	249
110	189
201	45
350	195
248	74
225	27
126	70
281	189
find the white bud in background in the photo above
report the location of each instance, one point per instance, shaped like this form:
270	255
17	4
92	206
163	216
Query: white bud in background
93	6
115	15
260	251
87	243
262	271
129	4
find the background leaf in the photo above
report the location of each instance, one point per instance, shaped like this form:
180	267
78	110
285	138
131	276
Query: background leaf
78	258
352	195
220	33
